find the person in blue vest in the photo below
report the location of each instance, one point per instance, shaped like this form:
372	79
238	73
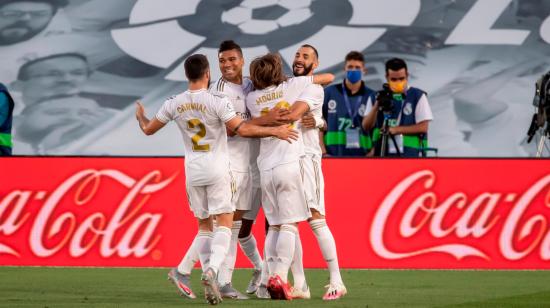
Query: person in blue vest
407	117
6	112
343	109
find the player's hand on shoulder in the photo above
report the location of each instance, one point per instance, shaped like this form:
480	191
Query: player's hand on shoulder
308	121
286	132
278	116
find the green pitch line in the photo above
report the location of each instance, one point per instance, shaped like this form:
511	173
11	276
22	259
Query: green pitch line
130	287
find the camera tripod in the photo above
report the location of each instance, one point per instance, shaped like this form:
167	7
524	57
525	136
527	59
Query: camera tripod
386	136
545	137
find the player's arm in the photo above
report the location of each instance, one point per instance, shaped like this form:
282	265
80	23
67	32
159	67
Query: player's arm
149	127
297	111
275	117
325	78
245	129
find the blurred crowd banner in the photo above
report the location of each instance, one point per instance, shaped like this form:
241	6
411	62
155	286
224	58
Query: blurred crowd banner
75	67
432	213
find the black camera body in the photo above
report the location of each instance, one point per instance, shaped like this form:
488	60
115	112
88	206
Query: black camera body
541	119
542	94
385	99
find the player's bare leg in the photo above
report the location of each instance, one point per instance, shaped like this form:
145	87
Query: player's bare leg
336	288
218	251
225	275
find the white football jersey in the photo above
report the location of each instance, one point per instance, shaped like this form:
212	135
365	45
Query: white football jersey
239	147
273	151
314	96
201	118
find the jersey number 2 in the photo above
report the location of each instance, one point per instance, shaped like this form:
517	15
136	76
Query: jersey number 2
191	124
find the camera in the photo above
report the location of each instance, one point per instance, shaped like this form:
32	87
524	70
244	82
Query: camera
542	98
541	119
385	99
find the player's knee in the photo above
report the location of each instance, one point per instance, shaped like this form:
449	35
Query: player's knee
225	220
315	215
238	215
206	224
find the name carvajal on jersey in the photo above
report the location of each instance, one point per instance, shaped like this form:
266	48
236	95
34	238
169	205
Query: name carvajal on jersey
190	107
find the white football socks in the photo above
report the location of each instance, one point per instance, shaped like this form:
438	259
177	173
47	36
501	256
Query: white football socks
328	248
265	272
297	266
220	247
228	266
250	248
190	259
203	247
286	244
271	249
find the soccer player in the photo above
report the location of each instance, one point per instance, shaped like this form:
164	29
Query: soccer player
305	62
235	87
283	198
200	117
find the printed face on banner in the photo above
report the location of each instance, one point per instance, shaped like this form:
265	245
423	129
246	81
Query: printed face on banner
20	21
454	50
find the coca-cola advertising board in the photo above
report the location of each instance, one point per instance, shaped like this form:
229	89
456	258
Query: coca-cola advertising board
383	213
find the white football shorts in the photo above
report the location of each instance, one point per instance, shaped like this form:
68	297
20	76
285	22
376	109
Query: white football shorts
283	195
213	199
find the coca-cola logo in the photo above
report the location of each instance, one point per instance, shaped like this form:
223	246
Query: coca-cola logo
477	217
130	230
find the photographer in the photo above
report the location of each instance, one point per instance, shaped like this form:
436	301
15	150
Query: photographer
400	111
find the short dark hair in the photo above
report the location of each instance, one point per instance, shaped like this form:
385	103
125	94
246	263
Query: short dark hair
314	49
355	55
22	74
396	64
267	71
195	67
230	45
55	3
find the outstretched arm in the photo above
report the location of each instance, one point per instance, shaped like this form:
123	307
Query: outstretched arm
149	127
324	79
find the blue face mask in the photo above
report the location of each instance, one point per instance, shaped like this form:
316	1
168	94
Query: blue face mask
354	76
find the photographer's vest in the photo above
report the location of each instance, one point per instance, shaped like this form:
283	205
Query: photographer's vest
5	128
413	145
340	118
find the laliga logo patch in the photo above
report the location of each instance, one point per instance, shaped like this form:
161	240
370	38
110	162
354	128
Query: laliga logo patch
332	106
362	109
164	33
408	109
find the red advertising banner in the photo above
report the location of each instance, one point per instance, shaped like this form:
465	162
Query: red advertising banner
384	213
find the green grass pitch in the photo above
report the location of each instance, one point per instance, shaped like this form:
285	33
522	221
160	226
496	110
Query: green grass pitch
148	287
